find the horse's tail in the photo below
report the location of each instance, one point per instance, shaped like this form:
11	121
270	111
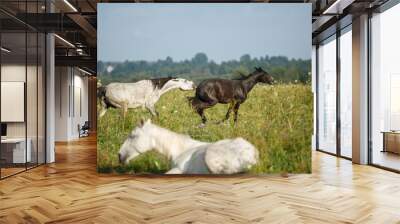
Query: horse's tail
101	96
193	101
101	92
190	100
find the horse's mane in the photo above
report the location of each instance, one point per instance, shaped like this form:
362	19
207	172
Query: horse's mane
168	132
159	83
242	76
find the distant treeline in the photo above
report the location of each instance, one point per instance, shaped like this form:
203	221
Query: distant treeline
200	67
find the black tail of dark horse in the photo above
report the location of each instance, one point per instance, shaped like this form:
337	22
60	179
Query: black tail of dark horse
101	97
101	93
193	102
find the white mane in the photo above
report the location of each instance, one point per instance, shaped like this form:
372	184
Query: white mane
175	84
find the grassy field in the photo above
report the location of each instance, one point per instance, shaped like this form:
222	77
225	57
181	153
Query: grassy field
276	119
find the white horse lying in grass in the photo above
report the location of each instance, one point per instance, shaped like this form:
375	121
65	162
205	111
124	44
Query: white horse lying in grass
144	93
189	156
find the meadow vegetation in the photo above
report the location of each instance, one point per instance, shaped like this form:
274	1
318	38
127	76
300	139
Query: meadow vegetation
276	119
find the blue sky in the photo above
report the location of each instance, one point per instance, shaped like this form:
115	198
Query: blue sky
149	31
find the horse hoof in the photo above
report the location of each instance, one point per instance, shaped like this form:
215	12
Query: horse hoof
202	125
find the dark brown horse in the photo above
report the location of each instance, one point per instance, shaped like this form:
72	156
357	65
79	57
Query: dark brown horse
213	91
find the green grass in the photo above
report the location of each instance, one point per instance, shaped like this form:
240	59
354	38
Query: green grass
276	119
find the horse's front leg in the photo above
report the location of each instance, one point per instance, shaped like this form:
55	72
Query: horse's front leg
150	104
124	109
200	111
236	109
152	110
229	111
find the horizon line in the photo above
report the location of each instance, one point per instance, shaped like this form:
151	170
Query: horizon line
209	60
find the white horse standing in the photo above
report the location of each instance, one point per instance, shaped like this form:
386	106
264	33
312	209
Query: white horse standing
190	156
144	93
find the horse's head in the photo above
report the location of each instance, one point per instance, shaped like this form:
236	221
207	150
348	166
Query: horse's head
263	76
182	84
139	141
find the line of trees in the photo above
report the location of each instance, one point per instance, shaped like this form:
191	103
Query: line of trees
200	67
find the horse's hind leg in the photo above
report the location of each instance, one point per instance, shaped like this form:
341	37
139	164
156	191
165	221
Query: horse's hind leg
200	111
203	107
200	106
